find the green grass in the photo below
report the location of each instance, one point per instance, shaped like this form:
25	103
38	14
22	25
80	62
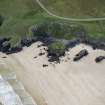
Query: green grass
95	30
20	15
57	48
76	8
66	30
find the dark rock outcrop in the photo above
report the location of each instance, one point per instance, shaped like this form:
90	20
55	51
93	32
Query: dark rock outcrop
80	55
15	49
53	59
4	44
96	44
99	59
5	47
72	43
2	40
27	41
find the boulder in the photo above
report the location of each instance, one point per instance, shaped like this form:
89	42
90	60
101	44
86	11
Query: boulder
2	40
80	55
99	59
53	59
27	41
102	45
72	43
5	47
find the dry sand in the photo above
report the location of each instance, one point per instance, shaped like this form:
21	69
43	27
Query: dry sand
67	83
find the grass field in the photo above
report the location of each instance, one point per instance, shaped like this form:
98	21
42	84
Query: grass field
20	15
76	8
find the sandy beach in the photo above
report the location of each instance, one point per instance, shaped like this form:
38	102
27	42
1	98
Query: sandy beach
67	83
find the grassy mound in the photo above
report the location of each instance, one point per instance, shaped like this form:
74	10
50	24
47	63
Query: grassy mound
57	48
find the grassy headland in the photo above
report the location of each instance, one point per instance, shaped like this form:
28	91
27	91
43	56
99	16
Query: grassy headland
18	16
21	19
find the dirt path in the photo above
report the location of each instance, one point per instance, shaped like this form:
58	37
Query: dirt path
67	83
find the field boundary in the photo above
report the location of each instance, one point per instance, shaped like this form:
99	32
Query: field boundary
68	19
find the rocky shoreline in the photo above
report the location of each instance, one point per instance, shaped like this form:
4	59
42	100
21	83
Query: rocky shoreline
5	46
58	37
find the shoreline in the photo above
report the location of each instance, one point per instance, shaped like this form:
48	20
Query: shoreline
53	35
46	84
6	48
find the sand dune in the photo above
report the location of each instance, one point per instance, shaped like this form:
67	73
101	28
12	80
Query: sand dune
67	83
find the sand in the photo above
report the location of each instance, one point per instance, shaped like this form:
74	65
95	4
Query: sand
67	83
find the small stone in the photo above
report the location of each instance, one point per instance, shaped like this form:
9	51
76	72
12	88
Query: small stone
44	65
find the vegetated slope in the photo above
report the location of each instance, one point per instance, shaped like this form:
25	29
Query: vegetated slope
18	16
76	8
